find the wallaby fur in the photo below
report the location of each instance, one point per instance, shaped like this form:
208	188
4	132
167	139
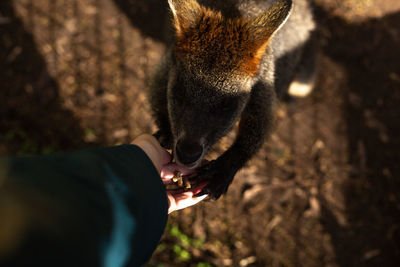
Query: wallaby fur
230	60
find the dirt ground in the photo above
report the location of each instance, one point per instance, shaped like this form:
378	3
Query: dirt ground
323	191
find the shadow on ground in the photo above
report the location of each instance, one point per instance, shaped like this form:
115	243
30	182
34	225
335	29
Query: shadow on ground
33	118
110	65
369	54
146	16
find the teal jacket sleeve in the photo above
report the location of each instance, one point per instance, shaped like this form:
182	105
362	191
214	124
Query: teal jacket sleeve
95	207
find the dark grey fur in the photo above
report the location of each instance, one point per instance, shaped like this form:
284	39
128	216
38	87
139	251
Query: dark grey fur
194	106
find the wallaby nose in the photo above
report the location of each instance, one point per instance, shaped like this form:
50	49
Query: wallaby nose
188	152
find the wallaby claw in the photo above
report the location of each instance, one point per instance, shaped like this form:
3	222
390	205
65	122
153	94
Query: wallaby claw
218	179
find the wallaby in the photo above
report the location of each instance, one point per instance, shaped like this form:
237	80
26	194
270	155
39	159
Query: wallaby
230	59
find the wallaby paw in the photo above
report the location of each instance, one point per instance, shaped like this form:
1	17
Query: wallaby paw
218	180
299	89
165	140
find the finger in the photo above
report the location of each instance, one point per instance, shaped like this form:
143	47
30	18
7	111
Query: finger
187	201
187	193
183	200
158	155
168	171
198	188
201	193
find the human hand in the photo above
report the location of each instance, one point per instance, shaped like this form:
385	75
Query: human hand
149	144
161	160
180	199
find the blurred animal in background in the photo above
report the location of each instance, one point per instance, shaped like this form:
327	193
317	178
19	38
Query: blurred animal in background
230	60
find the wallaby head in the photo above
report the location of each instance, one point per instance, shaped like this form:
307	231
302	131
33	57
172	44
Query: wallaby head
215	63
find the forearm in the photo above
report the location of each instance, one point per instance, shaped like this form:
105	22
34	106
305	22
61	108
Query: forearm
81	207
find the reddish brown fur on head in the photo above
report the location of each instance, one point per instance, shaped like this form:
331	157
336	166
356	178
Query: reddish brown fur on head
216	41
225	44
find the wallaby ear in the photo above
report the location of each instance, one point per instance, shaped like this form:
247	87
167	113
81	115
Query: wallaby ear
185	13
266	24
261	29
263	26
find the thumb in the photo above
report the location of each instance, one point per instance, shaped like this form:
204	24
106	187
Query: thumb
158	155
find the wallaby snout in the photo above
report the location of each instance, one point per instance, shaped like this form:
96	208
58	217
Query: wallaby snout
189	152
